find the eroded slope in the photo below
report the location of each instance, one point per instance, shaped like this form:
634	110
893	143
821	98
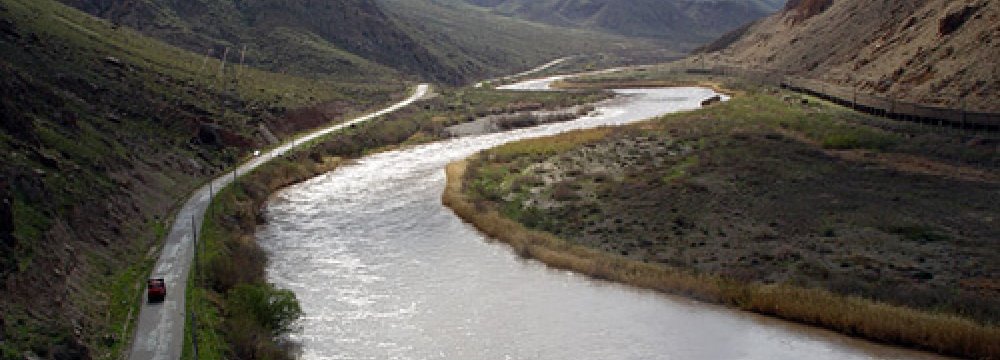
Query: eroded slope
938	52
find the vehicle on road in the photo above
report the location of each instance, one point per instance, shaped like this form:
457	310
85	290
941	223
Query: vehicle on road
156	290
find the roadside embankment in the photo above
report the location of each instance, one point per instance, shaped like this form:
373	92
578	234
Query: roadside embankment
772	202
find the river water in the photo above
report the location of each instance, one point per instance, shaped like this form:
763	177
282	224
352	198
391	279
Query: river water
384	271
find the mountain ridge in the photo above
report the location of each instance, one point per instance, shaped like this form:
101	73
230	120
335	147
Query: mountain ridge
351	38
939	53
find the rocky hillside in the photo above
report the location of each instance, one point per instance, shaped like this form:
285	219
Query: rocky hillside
681	22
102	132
938	52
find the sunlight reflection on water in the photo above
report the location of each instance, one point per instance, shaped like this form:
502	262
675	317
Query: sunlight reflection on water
384	271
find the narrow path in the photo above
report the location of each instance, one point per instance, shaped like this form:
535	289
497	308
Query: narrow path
159	334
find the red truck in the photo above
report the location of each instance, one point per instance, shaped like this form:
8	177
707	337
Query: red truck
156	290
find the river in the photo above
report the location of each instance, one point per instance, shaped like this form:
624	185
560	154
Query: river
384	271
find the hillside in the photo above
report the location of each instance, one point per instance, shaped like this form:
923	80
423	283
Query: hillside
683	23
102	131
936	52
350	38
477	41
298	37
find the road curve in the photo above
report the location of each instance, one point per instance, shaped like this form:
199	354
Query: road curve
159	334
526	73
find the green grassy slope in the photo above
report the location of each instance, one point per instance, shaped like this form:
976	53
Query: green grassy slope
102	130
448	43
297	37
478	42
680	22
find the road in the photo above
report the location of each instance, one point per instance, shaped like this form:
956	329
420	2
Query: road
526	73
159	334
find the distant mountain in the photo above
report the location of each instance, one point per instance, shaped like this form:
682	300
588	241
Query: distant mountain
941	52
476	40
352	38
684	22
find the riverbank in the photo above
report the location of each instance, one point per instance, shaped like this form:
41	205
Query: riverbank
232	269
698	204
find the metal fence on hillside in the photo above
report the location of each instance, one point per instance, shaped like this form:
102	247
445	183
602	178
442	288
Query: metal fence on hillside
867	103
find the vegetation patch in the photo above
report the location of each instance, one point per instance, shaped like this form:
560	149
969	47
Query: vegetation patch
755	203
919	233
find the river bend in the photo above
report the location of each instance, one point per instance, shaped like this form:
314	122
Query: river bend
384	271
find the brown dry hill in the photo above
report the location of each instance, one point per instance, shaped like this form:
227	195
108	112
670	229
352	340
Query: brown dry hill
935	52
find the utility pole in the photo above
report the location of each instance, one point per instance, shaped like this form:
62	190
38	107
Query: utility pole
211	197
194	231
194	335
222	65
204	60
194	317
855	97
964	113
243	54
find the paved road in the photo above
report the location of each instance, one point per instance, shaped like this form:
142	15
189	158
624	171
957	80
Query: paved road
160	331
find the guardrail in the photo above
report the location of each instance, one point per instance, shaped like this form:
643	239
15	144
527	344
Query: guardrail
871	104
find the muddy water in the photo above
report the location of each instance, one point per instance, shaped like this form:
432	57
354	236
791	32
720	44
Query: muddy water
384	271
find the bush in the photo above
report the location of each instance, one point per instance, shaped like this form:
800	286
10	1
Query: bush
526	182
517	121
274	310
921	234
845	139
250	341
242	262
563	191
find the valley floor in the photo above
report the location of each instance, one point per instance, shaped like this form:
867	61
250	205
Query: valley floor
889	227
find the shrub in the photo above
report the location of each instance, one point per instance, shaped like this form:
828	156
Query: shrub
523	183
563	191
846	139
275	310
517	121
250	341
241	262
922	234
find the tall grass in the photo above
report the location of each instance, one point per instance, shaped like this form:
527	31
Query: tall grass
849	315
550	145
